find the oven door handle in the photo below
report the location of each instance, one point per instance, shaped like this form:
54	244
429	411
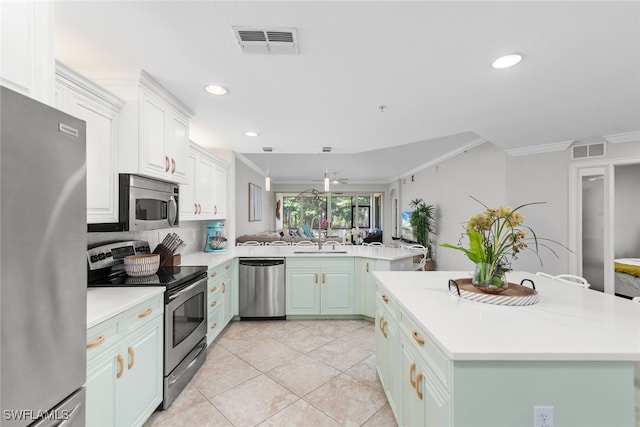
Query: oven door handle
176	375
185	290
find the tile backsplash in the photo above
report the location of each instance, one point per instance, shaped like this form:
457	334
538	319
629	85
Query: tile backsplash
192	232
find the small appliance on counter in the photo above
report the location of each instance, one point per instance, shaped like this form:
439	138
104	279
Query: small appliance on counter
216	242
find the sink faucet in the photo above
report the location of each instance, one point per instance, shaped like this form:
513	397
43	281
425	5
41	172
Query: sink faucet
319	231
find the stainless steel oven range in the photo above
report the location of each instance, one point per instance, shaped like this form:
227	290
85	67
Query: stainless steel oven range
185	315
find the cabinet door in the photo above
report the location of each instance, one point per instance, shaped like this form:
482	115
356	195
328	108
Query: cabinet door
412	407
337	292
303	288
204	188
368	287
103	389
143	373
154	159
177	148
220	191
102	157
26	49
188	206
227	305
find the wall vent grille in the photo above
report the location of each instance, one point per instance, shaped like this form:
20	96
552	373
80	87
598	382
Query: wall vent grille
589	150
275	41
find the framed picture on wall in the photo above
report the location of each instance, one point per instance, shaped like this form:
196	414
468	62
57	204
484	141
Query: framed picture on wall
255	202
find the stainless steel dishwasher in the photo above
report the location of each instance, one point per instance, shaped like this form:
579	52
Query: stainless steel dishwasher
261	288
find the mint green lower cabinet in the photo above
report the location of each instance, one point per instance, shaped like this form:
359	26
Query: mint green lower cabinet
388	357
303	291
103	390
144	376
124	366
326	288
365	285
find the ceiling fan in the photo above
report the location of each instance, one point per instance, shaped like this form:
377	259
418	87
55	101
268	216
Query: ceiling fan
333	177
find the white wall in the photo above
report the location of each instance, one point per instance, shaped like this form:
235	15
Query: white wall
479	172
243	176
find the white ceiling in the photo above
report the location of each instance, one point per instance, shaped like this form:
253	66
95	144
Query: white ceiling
427	62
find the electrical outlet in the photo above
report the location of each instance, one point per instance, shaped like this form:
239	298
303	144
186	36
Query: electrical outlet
543	416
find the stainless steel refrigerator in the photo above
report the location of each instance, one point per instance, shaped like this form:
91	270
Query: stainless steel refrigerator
42	264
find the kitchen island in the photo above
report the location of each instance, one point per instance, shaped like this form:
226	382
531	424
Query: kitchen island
447	361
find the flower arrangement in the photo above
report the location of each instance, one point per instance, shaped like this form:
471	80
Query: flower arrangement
496	237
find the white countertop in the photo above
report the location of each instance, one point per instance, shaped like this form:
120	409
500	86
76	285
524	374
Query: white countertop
104	303
212	259
567	323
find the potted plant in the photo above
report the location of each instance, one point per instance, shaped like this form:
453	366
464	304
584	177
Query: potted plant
423	221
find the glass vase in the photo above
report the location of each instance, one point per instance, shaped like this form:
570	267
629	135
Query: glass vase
488	279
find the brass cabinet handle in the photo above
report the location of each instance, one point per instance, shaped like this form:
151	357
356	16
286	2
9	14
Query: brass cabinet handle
385	298
173	165
315	278
215	210
166	163
224	287
381	323
226	267
214	303
120	366
383	326
367	267
418	338
214	289
418	379
96	342
324	278
412	370
131	357
214	326
199	209
145	313
195	212
214	274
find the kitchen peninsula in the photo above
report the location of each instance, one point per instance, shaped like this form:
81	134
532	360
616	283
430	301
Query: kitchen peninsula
447	361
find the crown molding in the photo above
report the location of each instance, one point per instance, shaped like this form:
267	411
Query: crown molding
442	158
250	164
538	149
623	137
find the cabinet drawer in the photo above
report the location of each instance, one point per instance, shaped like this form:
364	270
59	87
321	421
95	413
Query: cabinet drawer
437	361
103	336
144	313
387	302
220	270
214	321
215	299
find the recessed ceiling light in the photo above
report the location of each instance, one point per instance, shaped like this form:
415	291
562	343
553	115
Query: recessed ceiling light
251	133
216	90
507	61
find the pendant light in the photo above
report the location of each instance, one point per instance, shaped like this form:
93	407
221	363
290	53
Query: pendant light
326	182
267	179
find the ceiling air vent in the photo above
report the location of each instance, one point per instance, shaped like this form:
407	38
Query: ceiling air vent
591	150
274	41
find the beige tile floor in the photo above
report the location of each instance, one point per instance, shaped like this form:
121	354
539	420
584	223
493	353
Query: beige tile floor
285	373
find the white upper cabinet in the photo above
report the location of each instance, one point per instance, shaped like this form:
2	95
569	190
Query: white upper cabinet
154	135
205	196
27	63
82	98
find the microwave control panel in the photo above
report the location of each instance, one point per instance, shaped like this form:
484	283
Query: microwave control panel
108	254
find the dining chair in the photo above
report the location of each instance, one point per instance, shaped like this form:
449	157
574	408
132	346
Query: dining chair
277	243
417	266
332	242
567	278
376	244
306	243
250	243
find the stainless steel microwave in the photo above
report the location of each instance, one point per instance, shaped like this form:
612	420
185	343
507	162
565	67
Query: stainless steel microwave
145	204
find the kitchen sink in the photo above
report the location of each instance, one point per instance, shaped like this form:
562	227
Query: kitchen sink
320	252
